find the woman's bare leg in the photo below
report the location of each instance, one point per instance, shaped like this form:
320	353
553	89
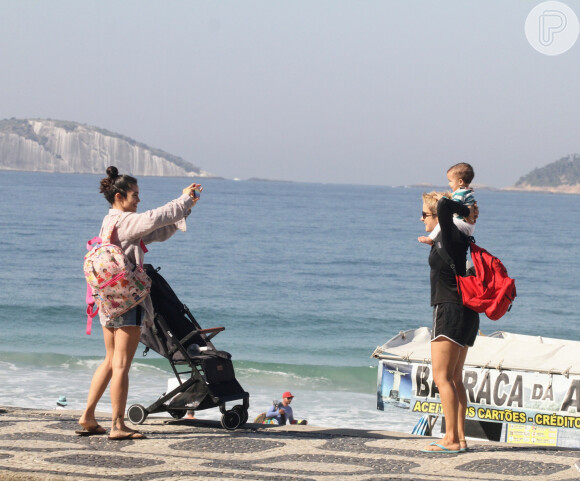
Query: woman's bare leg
445	356
99	383
126	342
462	396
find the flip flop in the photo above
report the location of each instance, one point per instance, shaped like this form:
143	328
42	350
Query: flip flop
443	449
94	431
133	435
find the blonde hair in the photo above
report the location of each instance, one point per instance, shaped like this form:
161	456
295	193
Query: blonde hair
430	202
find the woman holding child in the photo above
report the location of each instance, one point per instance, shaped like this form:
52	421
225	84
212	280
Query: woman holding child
122	334
454	325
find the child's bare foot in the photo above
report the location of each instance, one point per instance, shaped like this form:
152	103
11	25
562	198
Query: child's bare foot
425	240
473	214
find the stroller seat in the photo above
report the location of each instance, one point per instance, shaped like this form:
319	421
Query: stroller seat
208	379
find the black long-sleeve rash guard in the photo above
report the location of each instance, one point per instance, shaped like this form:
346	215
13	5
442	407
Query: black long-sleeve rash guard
443	282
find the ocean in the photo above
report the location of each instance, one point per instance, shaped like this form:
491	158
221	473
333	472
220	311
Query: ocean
306	278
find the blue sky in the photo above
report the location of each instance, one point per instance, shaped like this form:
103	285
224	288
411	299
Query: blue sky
368	92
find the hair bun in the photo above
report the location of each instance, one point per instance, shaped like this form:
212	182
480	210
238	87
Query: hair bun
112	172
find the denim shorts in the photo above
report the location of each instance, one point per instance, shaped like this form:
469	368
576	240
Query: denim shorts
133	317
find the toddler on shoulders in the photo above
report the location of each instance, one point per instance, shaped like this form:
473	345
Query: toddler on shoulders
460	177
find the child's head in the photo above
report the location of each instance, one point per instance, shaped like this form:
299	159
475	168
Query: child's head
460	176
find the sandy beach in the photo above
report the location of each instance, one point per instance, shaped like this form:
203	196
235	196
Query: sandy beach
41	445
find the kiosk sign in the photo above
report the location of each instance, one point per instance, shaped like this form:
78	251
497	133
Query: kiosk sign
515	397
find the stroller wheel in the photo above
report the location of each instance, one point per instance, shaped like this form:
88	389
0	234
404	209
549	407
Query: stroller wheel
231	420
242	412
137	414
176	413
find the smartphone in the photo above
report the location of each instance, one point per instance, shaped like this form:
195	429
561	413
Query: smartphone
196	194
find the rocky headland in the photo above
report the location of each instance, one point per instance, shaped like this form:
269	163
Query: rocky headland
559	177
44	145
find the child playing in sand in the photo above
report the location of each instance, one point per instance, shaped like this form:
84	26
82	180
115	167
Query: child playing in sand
459	176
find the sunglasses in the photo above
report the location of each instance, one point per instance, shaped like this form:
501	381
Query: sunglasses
424	215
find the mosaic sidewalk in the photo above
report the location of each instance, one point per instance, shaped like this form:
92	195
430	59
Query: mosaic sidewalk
42	445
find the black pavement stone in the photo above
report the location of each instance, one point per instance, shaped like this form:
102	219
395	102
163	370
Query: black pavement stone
351	445
69	425
572	453
37	436
513	467
368	466
106	461
550	451
299	435
100	443
227	444
74	475
48	472
184	475
358	446
31	450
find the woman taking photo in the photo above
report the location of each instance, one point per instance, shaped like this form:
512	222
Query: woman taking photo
122	334
455	326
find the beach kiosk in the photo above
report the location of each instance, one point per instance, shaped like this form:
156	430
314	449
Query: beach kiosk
521	389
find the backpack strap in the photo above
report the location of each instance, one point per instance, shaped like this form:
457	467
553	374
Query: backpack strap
109	233
92	308
445	255
93	242
110	228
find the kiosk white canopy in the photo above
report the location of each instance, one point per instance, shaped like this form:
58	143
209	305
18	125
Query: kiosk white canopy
500	350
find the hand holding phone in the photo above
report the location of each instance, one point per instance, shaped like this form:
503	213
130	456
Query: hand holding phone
193	190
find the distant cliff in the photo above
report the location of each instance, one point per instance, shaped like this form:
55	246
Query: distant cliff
560	176
42	145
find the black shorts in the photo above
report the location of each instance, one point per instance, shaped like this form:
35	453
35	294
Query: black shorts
455	322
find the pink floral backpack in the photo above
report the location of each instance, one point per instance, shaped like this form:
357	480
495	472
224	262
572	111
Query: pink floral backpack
113	282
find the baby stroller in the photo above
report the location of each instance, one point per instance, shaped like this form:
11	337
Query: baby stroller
205	375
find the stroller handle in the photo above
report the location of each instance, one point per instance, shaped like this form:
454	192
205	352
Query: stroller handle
211	329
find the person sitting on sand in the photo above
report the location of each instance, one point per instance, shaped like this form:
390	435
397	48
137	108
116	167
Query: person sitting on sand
283	412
